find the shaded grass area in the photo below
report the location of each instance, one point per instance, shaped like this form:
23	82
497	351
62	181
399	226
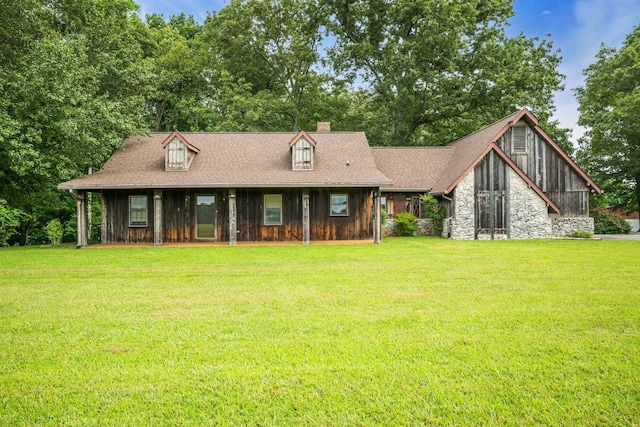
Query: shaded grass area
414	331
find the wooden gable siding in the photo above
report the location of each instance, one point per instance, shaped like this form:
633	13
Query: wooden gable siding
179	216
491	197
552	174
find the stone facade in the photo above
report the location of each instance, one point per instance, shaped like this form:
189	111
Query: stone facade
563	226
463	222
528	217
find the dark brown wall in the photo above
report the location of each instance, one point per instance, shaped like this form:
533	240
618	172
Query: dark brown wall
179	221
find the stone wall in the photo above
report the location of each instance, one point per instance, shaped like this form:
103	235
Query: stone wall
528	216
463	223
424	227
564	226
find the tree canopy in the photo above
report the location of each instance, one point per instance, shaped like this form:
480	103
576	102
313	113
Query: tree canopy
609	105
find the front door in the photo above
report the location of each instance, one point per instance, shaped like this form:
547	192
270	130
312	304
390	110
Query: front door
206	217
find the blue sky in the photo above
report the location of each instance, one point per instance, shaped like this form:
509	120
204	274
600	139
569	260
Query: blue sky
576	27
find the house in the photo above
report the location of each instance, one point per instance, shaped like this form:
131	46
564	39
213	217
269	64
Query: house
508	180
230	187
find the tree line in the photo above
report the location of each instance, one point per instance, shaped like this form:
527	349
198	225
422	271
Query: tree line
79	76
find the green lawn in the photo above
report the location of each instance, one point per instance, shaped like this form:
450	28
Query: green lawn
415	331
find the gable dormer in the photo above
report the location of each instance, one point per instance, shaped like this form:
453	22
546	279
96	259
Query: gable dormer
302	151
178	152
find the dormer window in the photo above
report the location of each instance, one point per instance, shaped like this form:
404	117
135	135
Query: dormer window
302	152
178	153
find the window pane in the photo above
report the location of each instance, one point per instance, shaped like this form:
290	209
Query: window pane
272	209
206	217
339	204
138	211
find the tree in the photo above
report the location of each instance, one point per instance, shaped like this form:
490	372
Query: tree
440	70
274	46
70	97
609	105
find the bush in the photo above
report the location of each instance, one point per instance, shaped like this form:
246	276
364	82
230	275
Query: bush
405	224
54	231
607	222
580	234
434	212
9	222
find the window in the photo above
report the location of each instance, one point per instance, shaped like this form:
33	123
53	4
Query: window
272	209
339	204
137	211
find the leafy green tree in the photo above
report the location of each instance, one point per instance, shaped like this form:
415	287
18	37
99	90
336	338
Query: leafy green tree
440	70
609	105
275	47
70	97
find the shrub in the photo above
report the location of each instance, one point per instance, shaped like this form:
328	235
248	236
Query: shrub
607	222
384	216
580	234
9	222
54	231
405	224
434	211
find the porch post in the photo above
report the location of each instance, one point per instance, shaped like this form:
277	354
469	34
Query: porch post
306	226
377	224
82	219
157	217
233	225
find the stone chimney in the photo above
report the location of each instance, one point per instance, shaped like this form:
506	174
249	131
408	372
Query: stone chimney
324	127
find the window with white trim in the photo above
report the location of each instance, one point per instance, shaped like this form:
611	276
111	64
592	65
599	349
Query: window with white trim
137	211
339	205
273	209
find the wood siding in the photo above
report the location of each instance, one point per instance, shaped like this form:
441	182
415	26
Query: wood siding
179	216
491	197
548	170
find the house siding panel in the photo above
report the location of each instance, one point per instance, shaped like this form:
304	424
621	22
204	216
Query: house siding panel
179	220
552	174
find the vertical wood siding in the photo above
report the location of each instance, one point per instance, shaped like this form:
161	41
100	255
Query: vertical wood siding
302	155
179	218
491	197
549	172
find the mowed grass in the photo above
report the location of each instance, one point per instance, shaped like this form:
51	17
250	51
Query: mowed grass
415	331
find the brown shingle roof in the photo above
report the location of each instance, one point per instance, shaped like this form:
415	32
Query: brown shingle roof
412	168
468	151
240	160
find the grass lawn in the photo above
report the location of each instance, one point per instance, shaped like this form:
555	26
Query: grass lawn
415	331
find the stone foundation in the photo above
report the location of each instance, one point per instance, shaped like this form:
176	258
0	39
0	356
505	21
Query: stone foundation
563	226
